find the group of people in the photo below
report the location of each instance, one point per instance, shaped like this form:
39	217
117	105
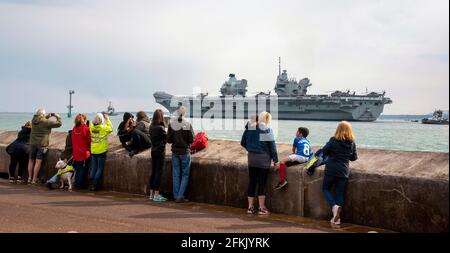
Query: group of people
87	145
259	141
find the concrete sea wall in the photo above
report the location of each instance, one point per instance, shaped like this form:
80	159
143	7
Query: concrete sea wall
397	190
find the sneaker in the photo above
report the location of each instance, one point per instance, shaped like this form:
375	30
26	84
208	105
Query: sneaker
251	210
263	211
182	200
159	198
132	153
336	213
20	180
281	184
338	222
12	180
49	185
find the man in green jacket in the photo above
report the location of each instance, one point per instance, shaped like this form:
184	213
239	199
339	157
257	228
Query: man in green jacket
39	141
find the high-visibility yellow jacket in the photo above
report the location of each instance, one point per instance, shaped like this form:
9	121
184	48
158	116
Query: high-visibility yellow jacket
68	168
99	137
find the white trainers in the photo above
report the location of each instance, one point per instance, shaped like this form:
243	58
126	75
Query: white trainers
336	214
338	222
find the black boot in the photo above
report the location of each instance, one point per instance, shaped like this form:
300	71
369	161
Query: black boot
92	185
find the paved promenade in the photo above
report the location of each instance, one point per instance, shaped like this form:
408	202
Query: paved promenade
36	209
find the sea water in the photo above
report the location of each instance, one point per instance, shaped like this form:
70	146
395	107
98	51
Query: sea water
381	134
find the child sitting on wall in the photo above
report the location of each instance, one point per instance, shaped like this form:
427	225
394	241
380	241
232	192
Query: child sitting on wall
301	153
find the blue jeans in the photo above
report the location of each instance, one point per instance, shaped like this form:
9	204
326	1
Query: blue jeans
98	163
181	164
54	179
339	184
80	167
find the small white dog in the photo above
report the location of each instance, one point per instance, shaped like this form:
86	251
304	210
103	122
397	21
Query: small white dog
66	173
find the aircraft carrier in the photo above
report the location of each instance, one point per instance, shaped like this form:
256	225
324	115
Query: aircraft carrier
292	101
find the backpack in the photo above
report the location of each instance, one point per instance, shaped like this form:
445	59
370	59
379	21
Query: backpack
200	142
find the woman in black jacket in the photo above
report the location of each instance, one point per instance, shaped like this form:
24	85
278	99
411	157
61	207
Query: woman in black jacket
158	136
124	130
340	149
18	150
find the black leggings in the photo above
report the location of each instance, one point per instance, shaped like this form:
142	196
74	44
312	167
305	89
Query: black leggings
139	140
22	160
257	176
158	157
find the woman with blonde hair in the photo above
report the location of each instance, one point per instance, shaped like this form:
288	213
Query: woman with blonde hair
259	142
100	128
340	149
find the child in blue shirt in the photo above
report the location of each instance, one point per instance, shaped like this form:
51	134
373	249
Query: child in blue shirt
301	153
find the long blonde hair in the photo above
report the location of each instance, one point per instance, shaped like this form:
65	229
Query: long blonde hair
344	132
265	117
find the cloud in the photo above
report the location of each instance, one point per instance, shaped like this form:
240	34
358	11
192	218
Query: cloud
128	50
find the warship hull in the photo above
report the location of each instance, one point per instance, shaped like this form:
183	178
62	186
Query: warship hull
309	107
435	122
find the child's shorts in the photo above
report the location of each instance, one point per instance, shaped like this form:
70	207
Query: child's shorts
298	158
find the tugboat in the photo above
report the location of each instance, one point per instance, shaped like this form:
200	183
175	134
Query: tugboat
110	110
436	119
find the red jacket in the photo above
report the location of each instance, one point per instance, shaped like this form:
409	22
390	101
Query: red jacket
81	142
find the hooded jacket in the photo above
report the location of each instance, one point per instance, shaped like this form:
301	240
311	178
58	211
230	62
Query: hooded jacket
181	136
41	129
21	144
81	140
259	140
339	154
143	126
123	134
99	137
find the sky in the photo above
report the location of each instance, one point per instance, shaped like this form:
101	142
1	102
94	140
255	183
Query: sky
124	51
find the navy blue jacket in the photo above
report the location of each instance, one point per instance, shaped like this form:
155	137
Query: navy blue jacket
251	141
339	154
21	144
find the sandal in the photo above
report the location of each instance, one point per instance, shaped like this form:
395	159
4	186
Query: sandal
263	211
11	180
20	180
251	210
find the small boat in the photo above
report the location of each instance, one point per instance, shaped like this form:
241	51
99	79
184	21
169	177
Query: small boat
110	110
436	119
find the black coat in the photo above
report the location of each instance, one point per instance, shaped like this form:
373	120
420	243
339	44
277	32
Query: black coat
181	136
124	135
158	137
21	145
68	149
339	154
